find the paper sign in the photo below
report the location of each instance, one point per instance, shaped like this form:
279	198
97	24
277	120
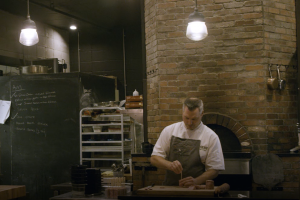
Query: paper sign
4	110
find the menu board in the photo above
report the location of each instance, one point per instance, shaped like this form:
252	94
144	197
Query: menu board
44	131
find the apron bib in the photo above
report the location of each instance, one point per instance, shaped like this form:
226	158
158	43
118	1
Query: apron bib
186	151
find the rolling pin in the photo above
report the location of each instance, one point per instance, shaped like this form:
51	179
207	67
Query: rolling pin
222	188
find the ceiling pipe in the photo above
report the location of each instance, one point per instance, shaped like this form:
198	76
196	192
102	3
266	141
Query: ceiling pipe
125	86
78	48
66	14
145	112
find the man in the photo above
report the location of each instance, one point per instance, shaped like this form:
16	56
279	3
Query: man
190	152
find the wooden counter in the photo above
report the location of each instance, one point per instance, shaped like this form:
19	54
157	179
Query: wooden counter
61	188
231	195
69	196
12	192
161	190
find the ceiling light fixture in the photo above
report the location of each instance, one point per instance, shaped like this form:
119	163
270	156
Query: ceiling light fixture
73	27
29	36
196	29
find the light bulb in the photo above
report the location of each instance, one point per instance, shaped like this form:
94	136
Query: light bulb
73	27
29	37
196	30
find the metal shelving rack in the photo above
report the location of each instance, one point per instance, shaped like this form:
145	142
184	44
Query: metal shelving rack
94	145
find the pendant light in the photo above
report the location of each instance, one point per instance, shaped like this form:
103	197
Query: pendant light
196	29
29	36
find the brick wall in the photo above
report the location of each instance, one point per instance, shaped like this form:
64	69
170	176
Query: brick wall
280	46
228	70
291	171
53	42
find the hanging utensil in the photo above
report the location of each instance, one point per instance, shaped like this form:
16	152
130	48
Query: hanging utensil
281	83
272	82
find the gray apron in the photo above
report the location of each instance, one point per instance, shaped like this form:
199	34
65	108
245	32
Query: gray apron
186	151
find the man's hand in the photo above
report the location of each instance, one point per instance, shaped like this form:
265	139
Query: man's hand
176	167
160	162
186	182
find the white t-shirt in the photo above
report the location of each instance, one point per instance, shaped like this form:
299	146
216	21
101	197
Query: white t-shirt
210	147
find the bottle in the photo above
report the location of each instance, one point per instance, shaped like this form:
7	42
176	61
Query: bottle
135	93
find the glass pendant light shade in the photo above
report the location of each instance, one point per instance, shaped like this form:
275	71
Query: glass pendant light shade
29	36
196	29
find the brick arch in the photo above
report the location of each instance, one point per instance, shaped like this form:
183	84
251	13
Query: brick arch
233	125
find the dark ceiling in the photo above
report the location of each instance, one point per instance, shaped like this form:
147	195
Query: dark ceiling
104	15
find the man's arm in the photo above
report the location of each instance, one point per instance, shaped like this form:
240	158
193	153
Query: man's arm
162	163
208	175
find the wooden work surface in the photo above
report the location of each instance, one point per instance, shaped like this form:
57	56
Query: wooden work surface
175	190
70	196
230	195
12	191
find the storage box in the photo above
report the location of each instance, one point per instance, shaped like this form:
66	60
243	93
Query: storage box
97	129
134	105
134	98
87	129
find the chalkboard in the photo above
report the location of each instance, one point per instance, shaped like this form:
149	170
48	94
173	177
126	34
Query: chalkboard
44	131
40	139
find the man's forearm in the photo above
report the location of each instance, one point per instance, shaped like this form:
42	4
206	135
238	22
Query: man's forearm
160	162
208	175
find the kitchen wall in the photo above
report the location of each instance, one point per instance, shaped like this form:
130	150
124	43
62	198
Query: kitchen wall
102	53
53	42
228	70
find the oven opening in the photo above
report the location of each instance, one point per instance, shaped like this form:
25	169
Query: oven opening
229	141
237	163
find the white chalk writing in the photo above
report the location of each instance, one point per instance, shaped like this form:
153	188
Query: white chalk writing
28	103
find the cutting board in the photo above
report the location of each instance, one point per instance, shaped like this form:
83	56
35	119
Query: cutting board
175	191
12	191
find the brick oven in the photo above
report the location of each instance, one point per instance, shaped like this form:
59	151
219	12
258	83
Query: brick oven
228	70
236	146
232	134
